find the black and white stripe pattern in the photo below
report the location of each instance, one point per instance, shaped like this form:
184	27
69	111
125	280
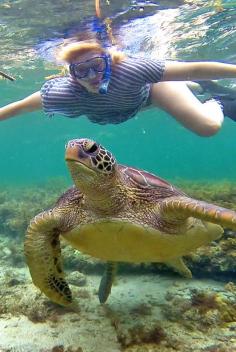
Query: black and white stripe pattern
128	92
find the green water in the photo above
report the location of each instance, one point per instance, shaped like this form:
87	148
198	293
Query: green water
32	145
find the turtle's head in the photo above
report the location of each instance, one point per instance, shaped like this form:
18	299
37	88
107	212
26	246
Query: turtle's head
89	162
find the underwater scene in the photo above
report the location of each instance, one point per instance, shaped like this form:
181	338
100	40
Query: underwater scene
116	237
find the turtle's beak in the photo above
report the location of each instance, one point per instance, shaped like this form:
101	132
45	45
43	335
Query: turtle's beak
78	164
75	151
72	154
77	159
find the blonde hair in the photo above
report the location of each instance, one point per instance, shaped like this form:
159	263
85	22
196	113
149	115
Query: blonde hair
71	51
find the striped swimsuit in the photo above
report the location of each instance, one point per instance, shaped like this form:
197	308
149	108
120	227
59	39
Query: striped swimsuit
128	92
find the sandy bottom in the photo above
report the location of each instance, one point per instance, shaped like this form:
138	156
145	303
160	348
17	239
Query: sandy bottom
143	313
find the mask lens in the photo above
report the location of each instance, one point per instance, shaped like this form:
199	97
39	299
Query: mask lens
81	70
98	64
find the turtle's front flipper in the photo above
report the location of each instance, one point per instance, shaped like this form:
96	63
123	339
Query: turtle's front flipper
179	208
107	281
43	256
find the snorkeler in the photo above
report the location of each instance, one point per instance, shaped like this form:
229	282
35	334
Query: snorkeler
109	87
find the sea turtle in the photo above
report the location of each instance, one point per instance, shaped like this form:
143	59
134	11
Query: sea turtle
118	214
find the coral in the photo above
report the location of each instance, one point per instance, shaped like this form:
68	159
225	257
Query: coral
61	348
227	309
142	309
202	310
139	334
218	347
204	301
231	287
17	298
76	278
83	293
19	205
135	332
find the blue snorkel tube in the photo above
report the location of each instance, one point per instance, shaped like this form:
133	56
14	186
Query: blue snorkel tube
100	29
103	87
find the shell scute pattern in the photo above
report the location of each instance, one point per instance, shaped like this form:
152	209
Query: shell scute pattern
153	186
144	178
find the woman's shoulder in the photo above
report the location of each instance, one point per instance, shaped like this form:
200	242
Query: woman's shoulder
140	70
139	61
136	58
59	80
58	85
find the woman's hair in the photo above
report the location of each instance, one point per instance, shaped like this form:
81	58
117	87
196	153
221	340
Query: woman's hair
70	52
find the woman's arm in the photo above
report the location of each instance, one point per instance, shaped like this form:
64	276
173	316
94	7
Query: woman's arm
31	103
190	71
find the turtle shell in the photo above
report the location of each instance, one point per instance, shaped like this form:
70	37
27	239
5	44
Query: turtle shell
144	179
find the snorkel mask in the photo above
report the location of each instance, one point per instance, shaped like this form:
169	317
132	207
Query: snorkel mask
99	27
77	70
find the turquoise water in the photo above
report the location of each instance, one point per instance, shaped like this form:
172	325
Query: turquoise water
140	308
32	145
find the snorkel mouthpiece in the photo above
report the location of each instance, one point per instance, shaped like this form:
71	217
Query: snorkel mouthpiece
103	87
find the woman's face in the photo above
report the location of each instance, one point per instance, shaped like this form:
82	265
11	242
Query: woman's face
89	69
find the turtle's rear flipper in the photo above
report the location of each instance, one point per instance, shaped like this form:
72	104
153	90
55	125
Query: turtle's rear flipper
178	265
43	256
106	282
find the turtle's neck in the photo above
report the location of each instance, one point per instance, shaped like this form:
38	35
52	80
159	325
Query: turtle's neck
105	197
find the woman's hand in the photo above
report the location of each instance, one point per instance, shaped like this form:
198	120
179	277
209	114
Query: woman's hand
30	103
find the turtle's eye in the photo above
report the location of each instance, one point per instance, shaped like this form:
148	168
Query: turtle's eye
93	148
90	147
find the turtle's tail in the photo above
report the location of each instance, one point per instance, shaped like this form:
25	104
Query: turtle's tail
43	256
184	207
107	281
